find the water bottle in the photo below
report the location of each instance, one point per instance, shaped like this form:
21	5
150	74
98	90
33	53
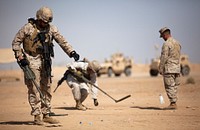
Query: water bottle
161	99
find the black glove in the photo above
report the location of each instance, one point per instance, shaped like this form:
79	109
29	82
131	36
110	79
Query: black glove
96	102
24	62
74	55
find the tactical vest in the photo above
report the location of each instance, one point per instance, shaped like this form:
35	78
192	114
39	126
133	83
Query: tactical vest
32	44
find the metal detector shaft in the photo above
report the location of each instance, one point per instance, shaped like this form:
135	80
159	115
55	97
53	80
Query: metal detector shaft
116	101
123	98
88	81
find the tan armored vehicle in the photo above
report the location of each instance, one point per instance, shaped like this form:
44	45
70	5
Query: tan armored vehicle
117	65
154	67
185	66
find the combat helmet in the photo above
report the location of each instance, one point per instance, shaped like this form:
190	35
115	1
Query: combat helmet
45	14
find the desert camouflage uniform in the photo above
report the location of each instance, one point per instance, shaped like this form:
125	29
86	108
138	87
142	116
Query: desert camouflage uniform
170	67
23	35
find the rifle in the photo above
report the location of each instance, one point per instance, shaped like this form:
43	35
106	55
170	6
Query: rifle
61	80
47	52
29	74
80	76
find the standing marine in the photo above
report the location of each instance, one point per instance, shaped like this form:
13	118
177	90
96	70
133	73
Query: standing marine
36	38
170	66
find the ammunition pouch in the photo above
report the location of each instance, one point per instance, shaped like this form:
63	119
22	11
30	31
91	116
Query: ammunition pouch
30	45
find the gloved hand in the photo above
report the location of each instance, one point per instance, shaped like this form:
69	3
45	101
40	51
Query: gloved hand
74	55
24	62
96	102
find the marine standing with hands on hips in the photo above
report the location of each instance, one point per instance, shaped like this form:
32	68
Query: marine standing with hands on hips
170	66
36	37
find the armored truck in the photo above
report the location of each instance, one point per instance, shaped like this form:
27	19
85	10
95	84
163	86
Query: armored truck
116	65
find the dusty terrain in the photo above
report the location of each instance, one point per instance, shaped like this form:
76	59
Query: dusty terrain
141	111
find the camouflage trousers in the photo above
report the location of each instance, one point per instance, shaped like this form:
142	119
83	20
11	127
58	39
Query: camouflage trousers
171	82
45	86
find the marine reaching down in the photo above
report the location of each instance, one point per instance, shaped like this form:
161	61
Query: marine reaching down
36	51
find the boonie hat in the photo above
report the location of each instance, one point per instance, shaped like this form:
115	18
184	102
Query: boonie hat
162	30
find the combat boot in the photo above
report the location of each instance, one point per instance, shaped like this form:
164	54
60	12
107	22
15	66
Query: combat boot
37	120
79	106
172	106
50	120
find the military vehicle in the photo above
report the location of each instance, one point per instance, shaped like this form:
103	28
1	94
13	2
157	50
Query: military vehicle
117	65
185	66
154	67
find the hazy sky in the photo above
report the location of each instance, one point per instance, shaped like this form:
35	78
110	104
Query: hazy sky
98	28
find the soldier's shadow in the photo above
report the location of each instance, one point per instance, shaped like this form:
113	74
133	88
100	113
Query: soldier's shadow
17	123
147	108
71	108
66	108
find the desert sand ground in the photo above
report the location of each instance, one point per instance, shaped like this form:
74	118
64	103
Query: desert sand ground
139	112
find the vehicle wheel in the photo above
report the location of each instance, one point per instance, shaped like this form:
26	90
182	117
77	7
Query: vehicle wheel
153	72
110	72
127	71
185	70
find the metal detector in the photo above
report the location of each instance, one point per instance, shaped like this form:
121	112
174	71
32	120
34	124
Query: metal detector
88	81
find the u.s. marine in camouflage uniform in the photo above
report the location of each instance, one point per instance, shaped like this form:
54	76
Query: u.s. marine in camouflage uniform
33	49
170	65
